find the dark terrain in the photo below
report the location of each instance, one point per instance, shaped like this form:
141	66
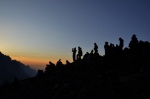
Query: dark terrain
122	73
9	69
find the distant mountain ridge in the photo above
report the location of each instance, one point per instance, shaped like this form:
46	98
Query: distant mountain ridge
9	69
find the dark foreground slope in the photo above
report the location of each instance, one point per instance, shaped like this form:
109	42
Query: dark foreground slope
82	81
9	69
123	75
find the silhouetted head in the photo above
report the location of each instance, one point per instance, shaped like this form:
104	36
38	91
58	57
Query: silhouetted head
79	47
87	52
120	39
141	41
106	43
94	43
133	36
67	61
50	63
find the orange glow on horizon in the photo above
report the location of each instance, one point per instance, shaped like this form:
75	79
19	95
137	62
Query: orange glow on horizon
35	59
33	62
36	63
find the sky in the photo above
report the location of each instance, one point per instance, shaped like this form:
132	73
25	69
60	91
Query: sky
38	31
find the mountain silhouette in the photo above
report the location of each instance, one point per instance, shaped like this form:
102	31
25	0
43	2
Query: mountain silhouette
122	73
9	69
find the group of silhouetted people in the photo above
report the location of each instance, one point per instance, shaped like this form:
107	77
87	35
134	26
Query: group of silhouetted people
110	50
80	53
78	57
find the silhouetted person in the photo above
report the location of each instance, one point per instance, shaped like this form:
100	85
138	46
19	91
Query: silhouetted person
121	44
91	52
111	49
85	57
67	62
111	46
74	53
52	64
126	51
95	48
50	67
79	53
133	43
106	47
59	63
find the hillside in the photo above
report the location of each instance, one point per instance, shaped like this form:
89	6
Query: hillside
120	73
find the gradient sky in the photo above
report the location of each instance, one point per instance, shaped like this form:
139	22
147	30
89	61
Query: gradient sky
38	31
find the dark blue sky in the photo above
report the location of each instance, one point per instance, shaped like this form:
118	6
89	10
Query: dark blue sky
48	29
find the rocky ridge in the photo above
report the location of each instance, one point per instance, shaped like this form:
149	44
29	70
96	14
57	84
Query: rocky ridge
118	74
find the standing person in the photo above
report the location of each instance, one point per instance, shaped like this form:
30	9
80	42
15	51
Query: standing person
79	53
95	48
121	43
133	43
107	48
74	53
